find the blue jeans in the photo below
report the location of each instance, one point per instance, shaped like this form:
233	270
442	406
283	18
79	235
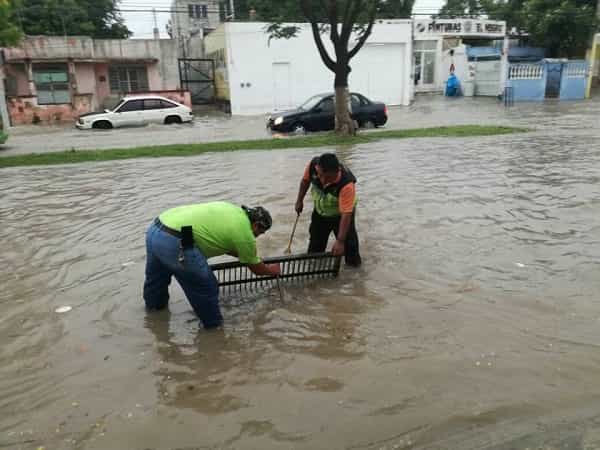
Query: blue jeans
193	274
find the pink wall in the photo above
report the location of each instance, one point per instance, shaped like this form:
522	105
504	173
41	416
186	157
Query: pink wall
18	73
24	110
155	81
86	78
102	87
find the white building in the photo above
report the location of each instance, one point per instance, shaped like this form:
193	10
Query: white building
257	75
439	45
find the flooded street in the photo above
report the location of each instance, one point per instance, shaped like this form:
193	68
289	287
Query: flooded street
472	324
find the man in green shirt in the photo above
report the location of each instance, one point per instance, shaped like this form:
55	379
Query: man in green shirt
217	228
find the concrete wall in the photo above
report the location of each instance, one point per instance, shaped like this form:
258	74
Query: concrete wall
215	46
264	76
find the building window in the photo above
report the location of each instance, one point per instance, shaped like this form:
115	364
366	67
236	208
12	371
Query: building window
198	11
125	79
425	55
52	84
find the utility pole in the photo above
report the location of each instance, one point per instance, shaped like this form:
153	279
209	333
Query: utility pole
155	32
232	8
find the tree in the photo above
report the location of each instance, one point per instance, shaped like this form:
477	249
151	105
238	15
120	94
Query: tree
563	27
347	23
95	18
9	33
460	8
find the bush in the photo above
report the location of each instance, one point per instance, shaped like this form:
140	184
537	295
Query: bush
3	137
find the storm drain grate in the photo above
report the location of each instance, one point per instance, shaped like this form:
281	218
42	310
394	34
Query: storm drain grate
236	277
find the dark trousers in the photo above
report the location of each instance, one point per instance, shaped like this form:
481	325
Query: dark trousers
320	229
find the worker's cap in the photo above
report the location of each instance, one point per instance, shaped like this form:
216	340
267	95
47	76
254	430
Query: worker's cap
259	215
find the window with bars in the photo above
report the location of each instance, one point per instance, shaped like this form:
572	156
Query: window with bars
198	11
124	79
52	84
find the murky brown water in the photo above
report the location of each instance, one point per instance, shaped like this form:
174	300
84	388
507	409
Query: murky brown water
473	324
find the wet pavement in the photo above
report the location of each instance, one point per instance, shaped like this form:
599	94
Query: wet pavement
472	324
426	111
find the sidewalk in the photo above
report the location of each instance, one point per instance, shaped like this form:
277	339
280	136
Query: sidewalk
426	111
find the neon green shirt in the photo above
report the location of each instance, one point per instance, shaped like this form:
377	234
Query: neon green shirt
219	228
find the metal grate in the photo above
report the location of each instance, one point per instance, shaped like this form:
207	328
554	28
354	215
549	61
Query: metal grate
234	276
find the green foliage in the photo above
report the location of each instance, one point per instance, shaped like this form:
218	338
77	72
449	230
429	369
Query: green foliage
563	27
460	8
9	33
3	137
95	18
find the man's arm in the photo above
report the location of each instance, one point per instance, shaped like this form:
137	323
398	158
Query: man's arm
303	188
265	269
346	199
340	243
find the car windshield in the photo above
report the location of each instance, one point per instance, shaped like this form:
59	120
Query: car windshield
118	105
311	102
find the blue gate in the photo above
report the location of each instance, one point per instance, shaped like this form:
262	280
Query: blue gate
528	81
573	80
554	71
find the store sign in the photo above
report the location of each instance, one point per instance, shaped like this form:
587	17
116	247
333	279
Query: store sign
460	27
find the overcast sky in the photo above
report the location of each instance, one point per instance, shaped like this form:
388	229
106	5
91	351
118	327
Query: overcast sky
142	23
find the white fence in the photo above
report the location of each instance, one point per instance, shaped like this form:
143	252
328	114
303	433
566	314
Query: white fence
525	71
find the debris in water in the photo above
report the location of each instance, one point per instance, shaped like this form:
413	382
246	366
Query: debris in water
518	264
75	404
128	263
106	358
63	309
477	363
130	415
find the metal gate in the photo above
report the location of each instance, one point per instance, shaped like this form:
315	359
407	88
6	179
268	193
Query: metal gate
487	78
198	77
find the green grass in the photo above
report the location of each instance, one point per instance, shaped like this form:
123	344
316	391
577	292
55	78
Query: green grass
3	137
320	140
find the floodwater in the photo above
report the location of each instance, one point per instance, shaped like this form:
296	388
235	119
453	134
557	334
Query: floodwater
473	323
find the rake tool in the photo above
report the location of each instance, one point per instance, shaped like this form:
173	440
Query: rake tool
236	277
288	250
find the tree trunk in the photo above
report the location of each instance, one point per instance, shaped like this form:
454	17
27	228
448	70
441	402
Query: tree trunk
344	125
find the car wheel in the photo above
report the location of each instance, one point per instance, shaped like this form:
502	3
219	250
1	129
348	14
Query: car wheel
102	125
368	124
298	128
172	119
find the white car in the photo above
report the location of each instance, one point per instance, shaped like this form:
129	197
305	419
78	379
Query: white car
136	111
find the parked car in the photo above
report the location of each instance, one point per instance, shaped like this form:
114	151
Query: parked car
318	114
138	110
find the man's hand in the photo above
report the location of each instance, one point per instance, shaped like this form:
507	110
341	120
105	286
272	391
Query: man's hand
338	248
275	269
299	206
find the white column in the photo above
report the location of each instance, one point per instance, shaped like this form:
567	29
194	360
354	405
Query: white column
3	107
504	66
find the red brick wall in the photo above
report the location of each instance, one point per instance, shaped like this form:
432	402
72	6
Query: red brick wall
25	110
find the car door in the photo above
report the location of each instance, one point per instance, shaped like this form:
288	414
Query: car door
169	109
358	112
130	113
322	116
153	111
